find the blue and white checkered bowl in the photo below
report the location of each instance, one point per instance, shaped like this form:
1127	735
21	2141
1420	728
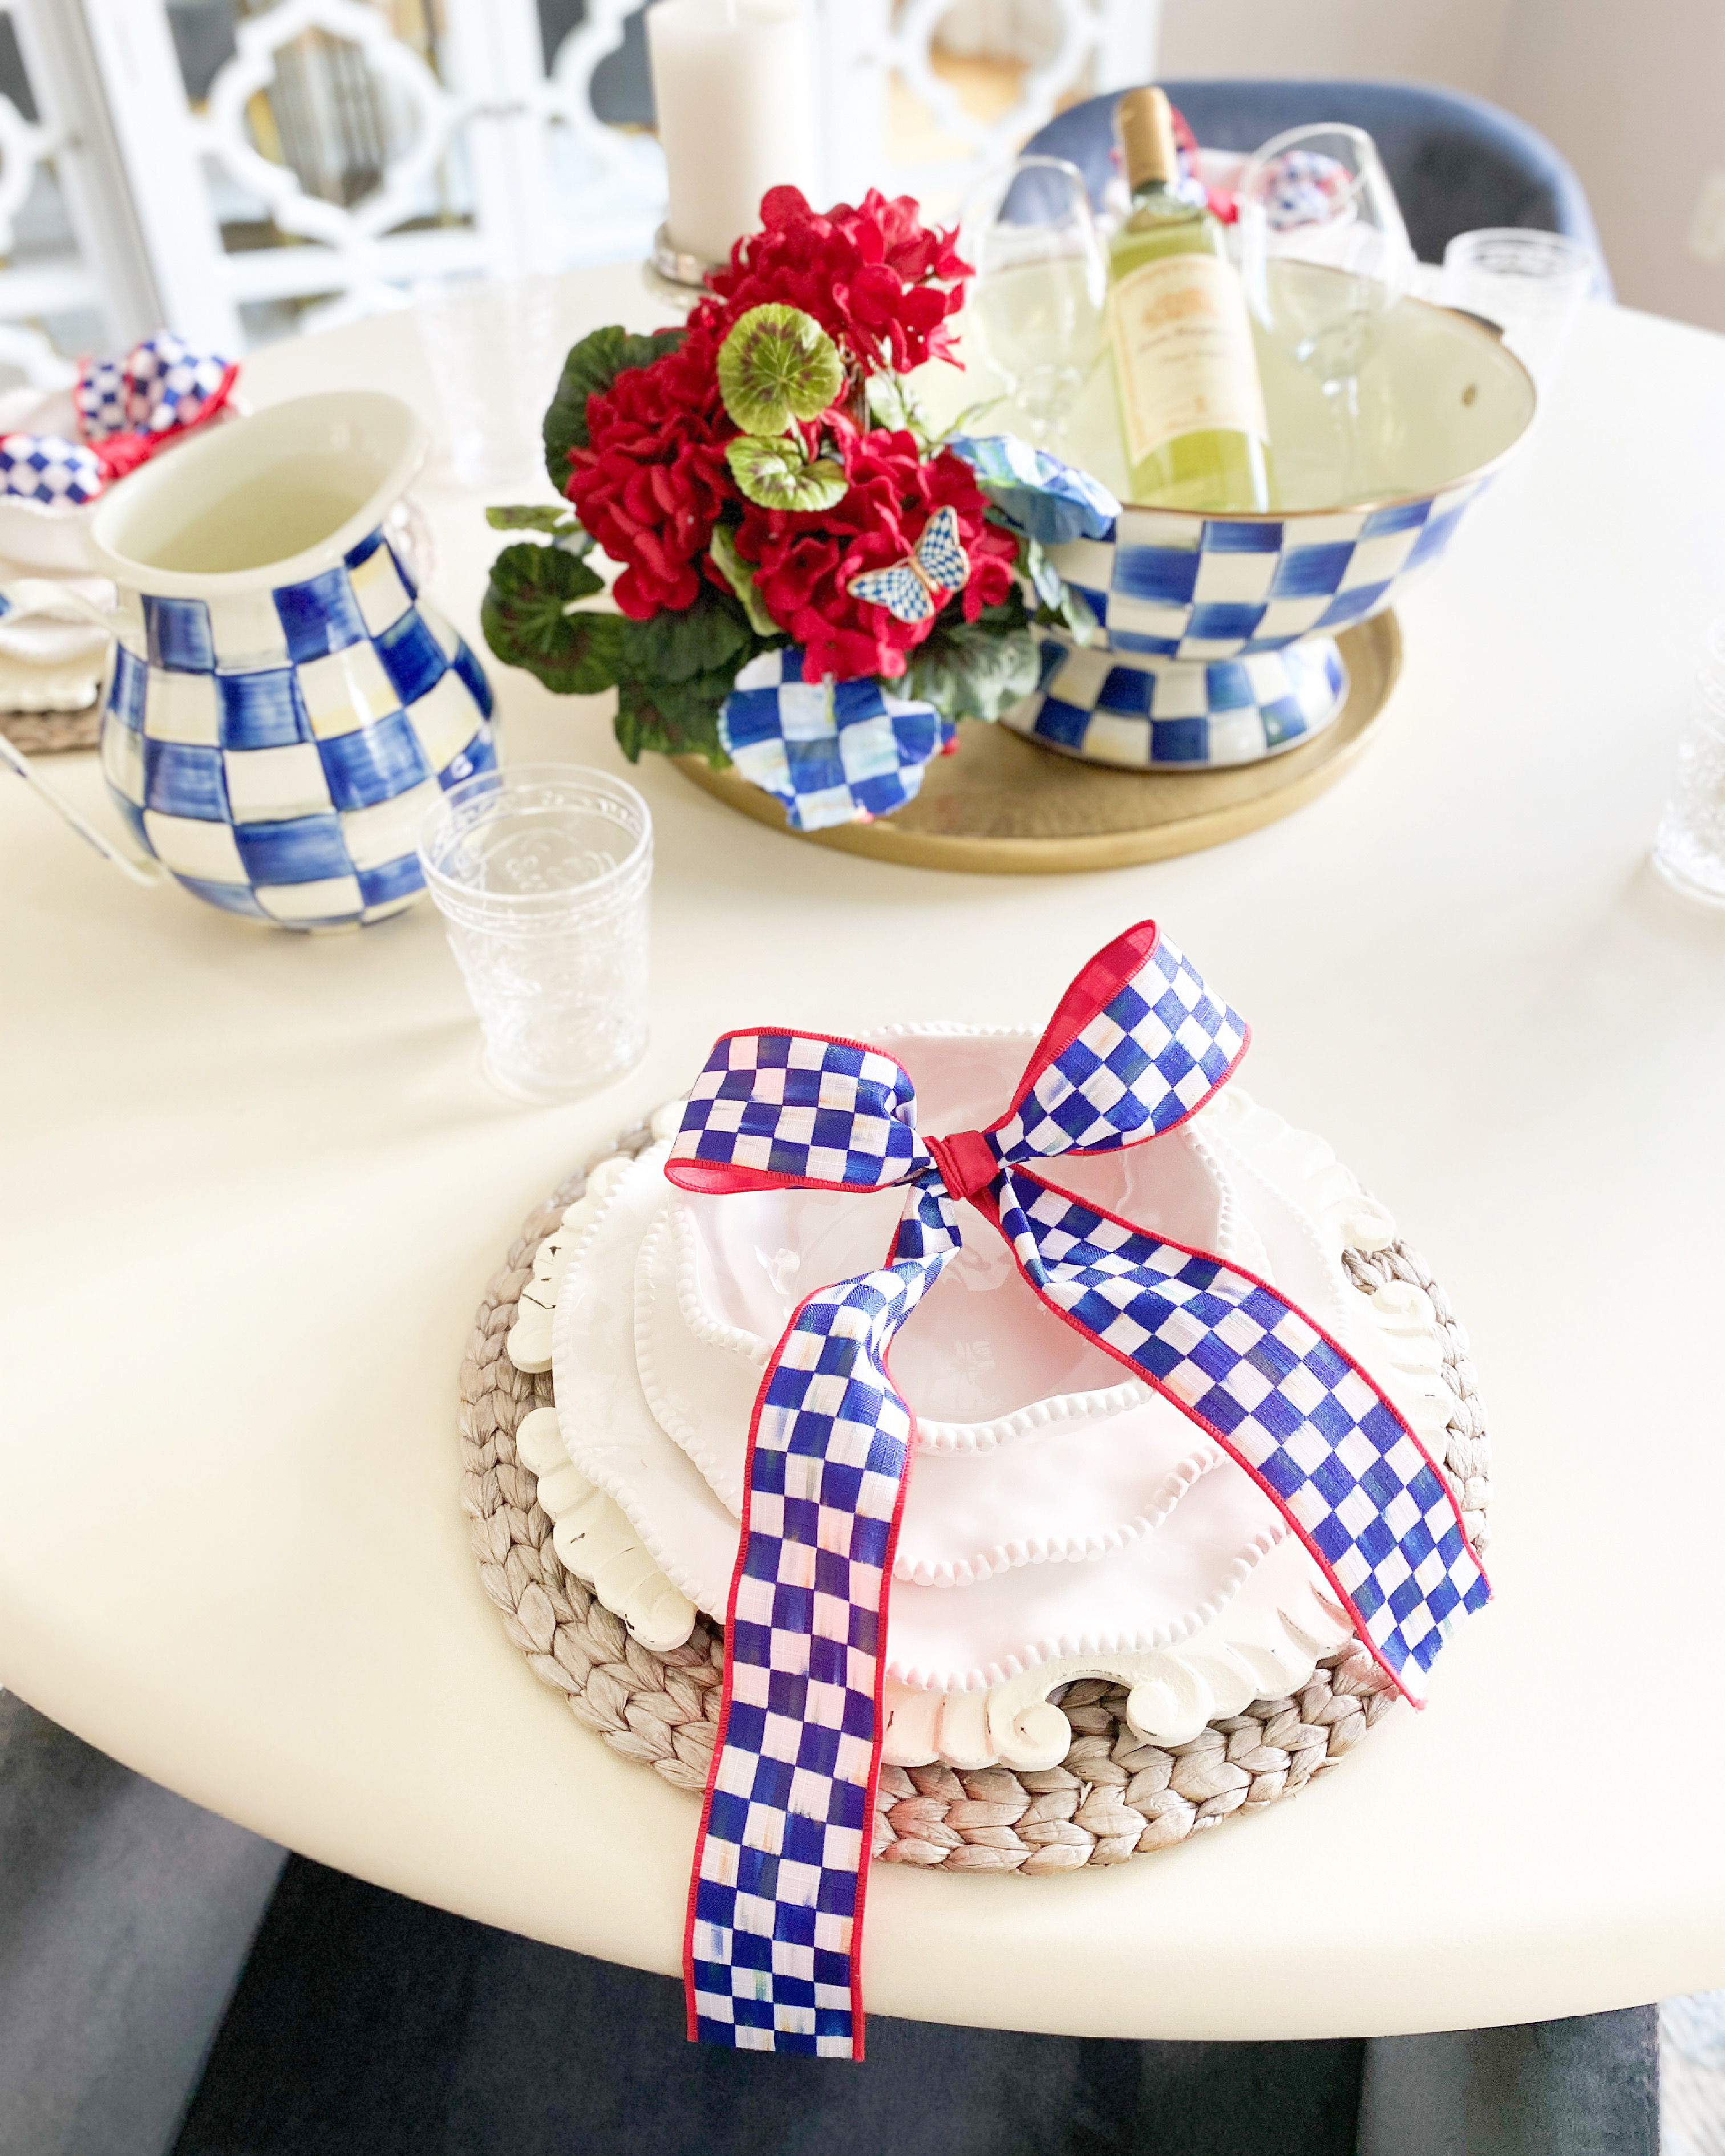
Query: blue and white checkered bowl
282	708
1217	638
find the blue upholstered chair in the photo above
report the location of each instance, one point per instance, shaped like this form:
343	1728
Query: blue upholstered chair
1457	163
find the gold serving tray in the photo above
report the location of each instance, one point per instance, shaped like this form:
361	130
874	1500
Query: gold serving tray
1004	806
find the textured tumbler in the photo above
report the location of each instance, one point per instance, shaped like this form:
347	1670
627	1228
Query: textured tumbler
540	872
491	345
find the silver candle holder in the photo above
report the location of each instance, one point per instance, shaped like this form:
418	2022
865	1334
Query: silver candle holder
674	275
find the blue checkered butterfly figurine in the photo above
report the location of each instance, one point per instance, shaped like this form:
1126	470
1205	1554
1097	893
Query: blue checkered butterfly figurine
920	585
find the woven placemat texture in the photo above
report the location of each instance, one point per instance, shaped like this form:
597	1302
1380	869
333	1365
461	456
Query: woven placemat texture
1113	1796
46	733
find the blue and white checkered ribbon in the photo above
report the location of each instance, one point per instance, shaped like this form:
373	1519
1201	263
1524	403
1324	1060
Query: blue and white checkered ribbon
832	751
127	409
1137	1044
1054	501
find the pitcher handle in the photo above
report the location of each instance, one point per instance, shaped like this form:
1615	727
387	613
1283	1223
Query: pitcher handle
31	595
139	867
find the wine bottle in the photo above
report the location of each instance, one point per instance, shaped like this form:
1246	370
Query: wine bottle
1185	373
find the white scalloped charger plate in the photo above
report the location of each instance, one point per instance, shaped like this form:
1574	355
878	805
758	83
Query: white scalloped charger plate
1112	1581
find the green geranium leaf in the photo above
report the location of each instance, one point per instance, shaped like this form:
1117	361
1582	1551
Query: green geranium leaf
673	718
892	403
712	636
532	516
773	470
976	670
740	575
528	618
777	364
591	366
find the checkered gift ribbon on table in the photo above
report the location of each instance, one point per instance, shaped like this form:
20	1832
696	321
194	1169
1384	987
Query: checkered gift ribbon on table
833	752
127	409
1139	1044
279	750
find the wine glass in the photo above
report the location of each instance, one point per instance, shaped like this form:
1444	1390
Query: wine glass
1325	256
1041	280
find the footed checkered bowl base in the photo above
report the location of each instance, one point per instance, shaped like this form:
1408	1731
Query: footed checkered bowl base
1147	713
1113	1797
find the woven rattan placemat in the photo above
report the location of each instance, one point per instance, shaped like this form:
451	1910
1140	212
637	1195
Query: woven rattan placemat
1111	1798
45	733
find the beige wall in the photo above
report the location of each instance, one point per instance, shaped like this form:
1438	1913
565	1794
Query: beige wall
1457	42
1632	91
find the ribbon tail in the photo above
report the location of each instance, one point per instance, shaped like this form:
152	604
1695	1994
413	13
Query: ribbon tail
771	1943
1313	1429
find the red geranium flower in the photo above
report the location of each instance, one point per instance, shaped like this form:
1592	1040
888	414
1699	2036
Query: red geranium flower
878	281
804	561
652	479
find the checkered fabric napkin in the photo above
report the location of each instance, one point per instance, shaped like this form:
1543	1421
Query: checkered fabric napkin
1138	1042
47	468
161	385
1307	186
126	409
833	752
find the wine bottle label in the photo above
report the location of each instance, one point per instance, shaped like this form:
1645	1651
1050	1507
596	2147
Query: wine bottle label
1183	353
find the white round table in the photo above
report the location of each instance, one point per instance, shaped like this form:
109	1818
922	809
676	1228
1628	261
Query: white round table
255	1184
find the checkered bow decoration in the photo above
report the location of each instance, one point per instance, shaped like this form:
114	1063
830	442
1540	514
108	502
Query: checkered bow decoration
1139	1044
832	751
127	409
1052	500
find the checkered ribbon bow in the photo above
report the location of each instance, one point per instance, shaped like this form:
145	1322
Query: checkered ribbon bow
832	751
1137	1044
127	409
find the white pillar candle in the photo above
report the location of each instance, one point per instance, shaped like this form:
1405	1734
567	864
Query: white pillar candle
734	89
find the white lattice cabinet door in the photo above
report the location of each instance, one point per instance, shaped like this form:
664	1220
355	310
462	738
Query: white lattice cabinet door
136	89
484	156
104	272
481	157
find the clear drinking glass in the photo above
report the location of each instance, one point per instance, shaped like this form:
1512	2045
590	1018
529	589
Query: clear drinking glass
1532	284
1689	852
1325	256
540	871
491	345
1041	281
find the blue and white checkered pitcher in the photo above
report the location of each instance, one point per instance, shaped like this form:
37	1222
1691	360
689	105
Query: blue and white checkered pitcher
282	707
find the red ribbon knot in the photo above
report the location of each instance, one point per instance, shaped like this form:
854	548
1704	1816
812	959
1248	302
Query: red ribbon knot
967	1161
